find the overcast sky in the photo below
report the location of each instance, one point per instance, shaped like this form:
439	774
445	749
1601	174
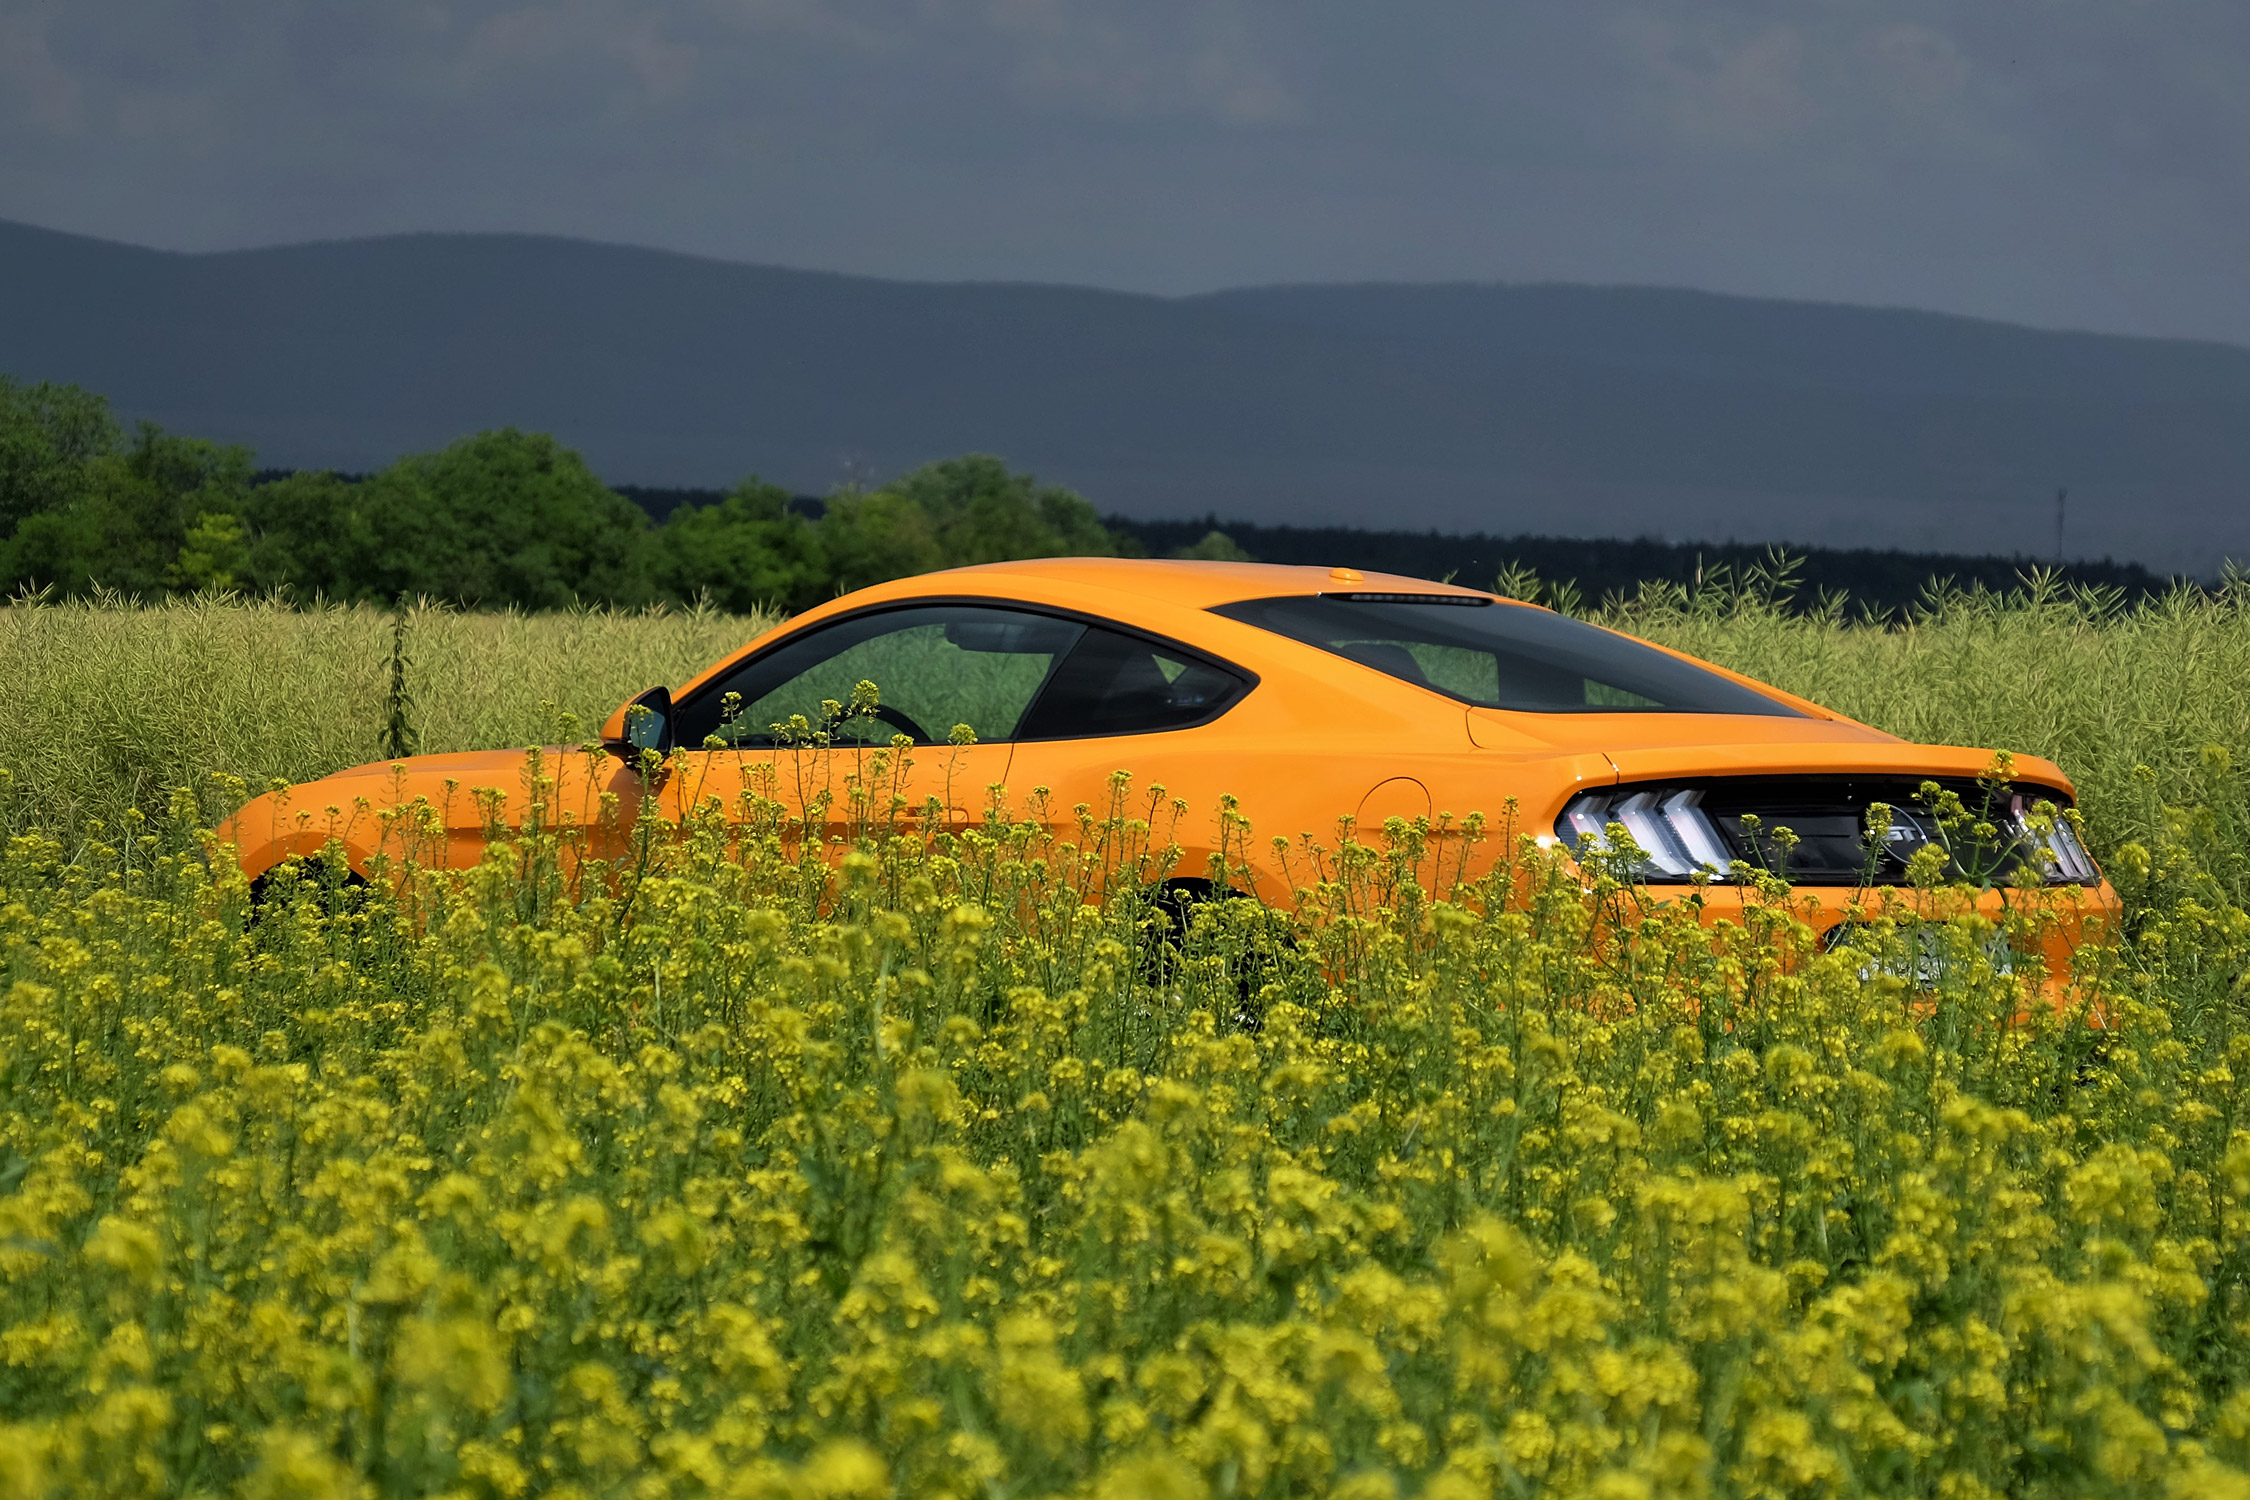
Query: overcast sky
2079	163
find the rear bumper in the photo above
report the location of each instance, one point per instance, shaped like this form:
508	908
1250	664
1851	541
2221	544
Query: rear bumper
2050	934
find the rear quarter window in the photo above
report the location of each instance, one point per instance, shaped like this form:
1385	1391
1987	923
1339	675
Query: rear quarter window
1509	656
1112	682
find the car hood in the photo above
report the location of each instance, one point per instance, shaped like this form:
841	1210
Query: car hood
459	765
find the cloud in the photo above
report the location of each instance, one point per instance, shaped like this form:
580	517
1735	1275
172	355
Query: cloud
1746	88
864	27
620	41
1917	67
1133	62
178	119
41	90
2064	161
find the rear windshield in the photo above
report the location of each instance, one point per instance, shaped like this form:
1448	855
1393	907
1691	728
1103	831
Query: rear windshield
1503	655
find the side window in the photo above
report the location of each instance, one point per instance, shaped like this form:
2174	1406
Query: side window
1113	683
934	667
1499	655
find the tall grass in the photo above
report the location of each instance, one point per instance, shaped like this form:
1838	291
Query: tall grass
110	706
2127	699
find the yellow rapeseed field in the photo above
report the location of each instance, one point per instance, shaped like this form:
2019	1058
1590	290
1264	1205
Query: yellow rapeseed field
951	1166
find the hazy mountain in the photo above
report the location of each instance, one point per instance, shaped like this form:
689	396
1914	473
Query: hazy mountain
1549	409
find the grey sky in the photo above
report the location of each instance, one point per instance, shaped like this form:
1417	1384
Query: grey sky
2065	162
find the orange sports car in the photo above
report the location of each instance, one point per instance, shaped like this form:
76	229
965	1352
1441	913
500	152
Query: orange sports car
1305	693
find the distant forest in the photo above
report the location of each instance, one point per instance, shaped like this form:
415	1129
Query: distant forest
1594	569
1589	569
515	519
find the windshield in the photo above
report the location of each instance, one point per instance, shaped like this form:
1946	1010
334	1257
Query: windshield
1496	655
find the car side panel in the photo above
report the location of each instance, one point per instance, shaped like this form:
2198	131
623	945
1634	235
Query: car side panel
1219	794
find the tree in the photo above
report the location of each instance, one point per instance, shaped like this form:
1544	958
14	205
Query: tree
215	554
875	535
747	552
171	486
84	513
50	437
501	518
307	533
980	512
1215	546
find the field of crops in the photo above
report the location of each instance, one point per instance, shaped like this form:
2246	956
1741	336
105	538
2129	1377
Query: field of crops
113	708
951	1169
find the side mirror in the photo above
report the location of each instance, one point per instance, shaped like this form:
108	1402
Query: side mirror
643	723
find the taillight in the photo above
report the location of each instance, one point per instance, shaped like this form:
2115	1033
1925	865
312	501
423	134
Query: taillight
2056	841
1822	830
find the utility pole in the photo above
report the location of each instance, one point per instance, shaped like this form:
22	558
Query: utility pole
2062	500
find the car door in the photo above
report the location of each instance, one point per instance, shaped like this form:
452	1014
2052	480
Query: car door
1124	701
811	722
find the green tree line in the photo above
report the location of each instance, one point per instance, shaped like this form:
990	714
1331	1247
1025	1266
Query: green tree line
516	518
500	518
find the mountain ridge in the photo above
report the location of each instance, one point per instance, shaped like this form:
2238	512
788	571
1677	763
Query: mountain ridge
1542	407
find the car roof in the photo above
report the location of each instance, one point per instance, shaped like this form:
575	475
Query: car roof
1190	587
1105	585
1200	585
